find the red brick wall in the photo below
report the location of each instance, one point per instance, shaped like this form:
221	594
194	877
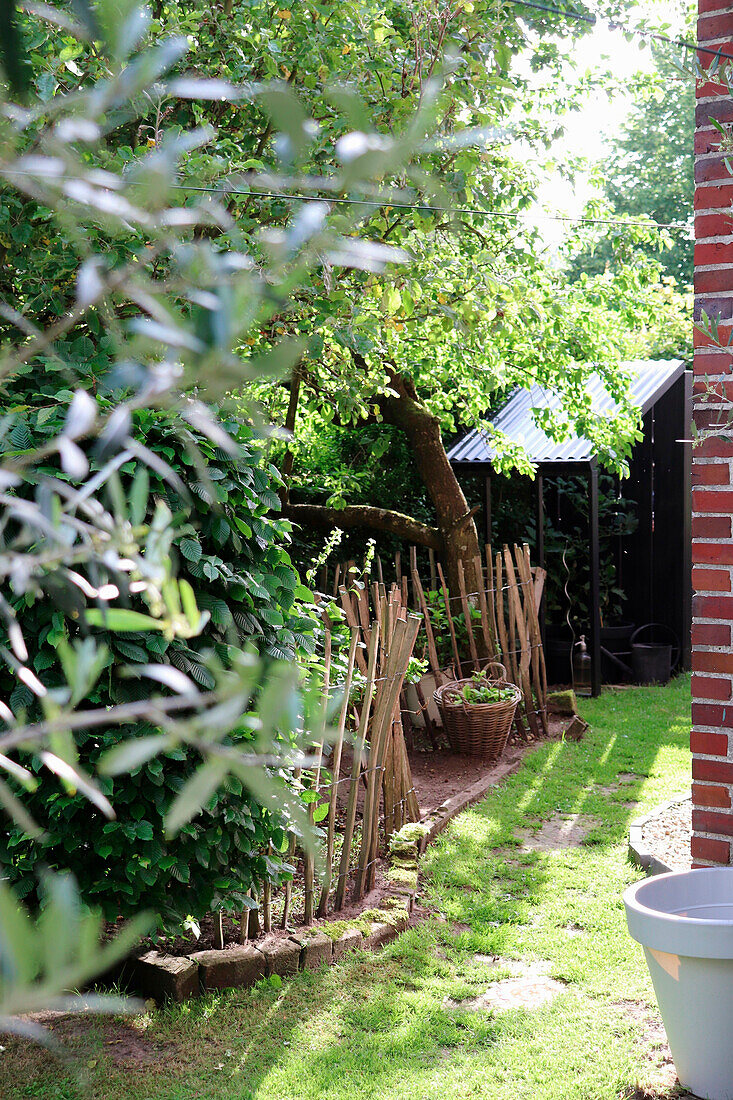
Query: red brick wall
712	474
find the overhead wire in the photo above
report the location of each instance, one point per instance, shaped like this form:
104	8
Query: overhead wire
593	19
424	207
428	208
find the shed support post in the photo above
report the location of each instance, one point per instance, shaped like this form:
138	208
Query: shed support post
686	596
595	582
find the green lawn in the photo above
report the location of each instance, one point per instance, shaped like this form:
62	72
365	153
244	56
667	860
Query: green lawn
380	1025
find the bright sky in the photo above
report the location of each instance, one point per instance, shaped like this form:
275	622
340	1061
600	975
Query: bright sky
589	130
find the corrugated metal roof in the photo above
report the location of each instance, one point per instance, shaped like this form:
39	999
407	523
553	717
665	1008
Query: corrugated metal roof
650	379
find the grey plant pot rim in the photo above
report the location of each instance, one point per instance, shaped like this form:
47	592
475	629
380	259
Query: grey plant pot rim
691	937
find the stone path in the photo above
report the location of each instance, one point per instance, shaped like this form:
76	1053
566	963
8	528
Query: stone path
529	987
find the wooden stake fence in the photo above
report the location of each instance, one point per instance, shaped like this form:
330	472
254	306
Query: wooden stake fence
498	622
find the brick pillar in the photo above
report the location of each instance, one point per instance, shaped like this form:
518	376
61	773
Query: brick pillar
712	473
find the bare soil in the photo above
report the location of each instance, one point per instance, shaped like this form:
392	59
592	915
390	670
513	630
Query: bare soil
622	780
528	987
561	831
123	1040
667	835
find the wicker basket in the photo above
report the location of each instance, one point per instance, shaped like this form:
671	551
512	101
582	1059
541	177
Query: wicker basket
476	729
495	671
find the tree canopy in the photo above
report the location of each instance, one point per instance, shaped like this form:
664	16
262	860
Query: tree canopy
649	172
471	309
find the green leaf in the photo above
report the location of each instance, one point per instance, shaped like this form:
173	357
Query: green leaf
194	795
132	753
191	549
123	620
139	496
20	955
131	651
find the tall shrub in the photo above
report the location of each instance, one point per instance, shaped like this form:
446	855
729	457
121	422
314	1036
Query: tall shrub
230	544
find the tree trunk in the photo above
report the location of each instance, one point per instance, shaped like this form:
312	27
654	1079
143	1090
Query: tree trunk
455	519
455	537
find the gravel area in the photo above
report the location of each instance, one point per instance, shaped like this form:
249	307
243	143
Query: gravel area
667	835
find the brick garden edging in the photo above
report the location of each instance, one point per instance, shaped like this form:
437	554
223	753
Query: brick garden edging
639	854
179	978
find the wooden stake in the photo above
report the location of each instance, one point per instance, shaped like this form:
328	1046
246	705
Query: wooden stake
506	656
413	807
512	630
402	642
492	593
422	605
291	859
408	729
335	774
362	603
219	931
467	616
433	574
353	621
254	919
266	901
389	791
489	640
451	627
429	726
359	742
308	857
509	661
535	634
522	635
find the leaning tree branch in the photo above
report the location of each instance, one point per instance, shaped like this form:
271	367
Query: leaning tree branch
365	515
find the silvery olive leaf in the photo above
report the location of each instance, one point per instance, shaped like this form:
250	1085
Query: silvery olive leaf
82	415
73	460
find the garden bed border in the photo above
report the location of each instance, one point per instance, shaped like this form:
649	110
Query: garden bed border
639	854
164	977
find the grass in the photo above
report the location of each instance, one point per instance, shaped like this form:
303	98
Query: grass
380	1026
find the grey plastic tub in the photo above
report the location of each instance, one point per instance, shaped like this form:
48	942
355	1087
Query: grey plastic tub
684	922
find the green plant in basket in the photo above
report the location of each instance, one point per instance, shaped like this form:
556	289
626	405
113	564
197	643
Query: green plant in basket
480	690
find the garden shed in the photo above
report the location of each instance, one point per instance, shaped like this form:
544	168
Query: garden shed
653	562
